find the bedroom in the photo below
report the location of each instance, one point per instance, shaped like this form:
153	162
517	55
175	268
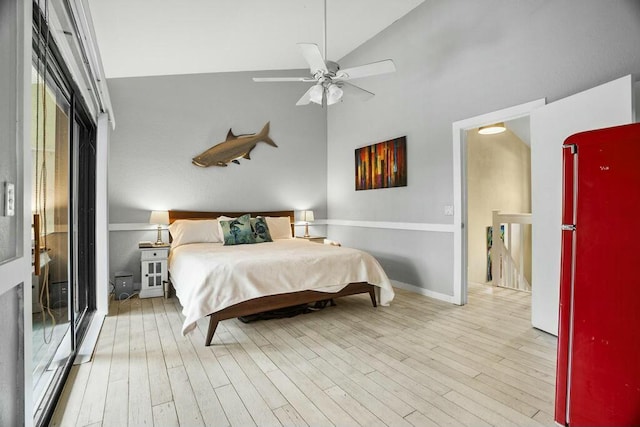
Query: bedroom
454	61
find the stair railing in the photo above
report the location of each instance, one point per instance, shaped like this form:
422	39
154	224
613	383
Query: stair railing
505	271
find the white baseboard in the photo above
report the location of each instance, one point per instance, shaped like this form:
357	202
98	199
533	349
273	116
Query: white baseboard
423	291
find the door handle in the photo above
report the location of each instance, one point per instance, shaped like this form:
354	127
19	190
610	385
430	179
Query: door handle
36	249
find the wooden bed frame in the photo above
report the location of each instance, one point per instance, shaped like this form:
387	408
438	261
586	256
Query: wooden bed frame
270	302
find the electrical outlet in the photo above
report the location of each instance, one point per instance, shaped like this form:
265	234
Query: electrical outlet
448	210
9	199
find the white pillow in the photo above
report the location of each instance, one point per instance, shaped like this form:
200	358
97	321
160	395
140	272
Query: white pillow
185	231
279	227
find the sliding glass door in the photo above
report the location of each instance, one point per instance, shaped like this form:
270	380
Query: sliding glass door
50	149
83	191
63	205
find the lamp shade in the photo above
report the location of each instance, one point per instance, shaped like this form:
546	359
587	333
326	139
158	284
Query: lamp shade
159	217
307	216
492	129
334	94
316	93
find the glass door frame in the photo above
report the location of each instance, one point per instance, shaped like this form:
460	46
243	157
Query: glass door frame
80	127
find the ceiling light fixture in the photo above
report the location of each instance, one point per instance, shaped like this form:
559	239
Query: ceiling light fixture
492	129
322	92
330	81
316	93
334	94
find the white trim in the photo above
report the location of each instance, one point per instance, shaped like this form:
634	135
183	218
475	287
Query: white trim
67	46
413	226
90	339
13	272
81	13
515	218
25	18
102	215
133	226
423	291
75	38
459	181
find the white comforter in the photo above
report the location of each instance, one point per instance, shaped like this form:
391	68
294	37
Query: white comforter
209	277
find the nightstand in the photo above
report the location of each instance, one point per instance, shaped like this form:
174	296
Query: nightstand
153	271
314	239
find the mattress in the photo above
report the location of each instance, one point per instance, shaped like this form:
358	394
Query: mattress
209	277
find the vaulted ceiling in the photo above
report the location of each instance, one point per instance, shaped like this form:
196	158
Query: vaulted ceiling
163	37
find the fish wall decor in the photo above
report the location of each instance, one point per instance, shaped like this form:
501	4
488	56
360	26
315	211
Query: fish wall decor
235	147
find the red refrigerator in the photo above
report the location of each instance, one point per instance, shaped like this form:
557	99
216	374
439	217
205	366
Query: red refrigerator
598	371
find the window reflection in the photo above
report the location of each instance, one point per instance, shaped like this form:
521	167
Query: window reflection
50	205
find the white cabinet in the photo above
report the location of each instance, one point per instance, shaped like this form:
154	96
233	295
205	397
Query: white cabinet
153	269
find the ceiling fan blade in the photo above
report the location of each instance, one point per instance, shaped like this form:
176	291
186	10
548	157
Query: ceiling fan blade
373	69
306	98
312	55
354	91
283	79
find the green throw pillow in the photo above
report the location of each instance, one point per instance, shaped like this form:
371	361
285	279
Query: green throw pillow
238	231
260	230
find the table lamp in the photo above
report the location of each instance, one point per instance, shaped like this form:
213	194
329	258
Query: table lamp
307	217
160	218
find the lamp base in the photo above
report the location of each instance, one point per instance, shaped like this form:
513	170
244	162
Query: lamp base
159	240
306	230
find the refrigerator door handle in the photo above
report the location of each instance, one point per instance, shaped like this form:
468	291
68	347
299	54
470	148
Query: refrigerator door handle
568	227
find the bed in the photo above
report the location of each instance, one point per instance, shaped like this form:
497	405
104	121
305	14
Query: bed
222	282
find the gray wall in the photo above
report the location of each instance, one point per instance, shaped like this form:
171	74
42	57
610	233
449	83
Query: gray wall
455	60
165	121
8	155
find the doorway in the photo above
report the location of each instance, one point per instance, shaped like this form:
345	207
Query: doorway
460	164
498	198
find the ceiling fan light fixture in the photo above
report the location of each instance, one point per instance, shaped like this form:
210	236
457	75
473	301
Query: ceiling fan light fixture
334	94
316	93
492	129
330	80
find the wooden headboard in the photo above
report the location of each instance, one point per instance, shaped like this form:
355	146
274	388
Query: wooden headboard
176	215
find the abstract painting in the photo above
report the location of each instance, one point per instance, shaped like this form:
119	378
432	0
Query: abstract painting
382	165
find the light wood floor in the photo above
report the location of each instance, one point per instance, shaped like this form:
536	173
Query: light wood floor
418	362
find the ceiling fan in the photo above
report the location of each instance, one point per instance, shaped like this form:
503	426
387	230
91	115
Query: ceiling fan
331	82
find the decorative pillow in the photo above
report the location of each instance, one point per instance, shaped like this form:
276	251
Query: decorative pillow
223	218
260	230
279	227
237	231
185	231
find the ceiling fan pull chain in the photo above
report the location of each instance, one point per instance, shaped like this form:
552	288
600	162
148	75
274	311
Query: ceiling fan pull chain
324	31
